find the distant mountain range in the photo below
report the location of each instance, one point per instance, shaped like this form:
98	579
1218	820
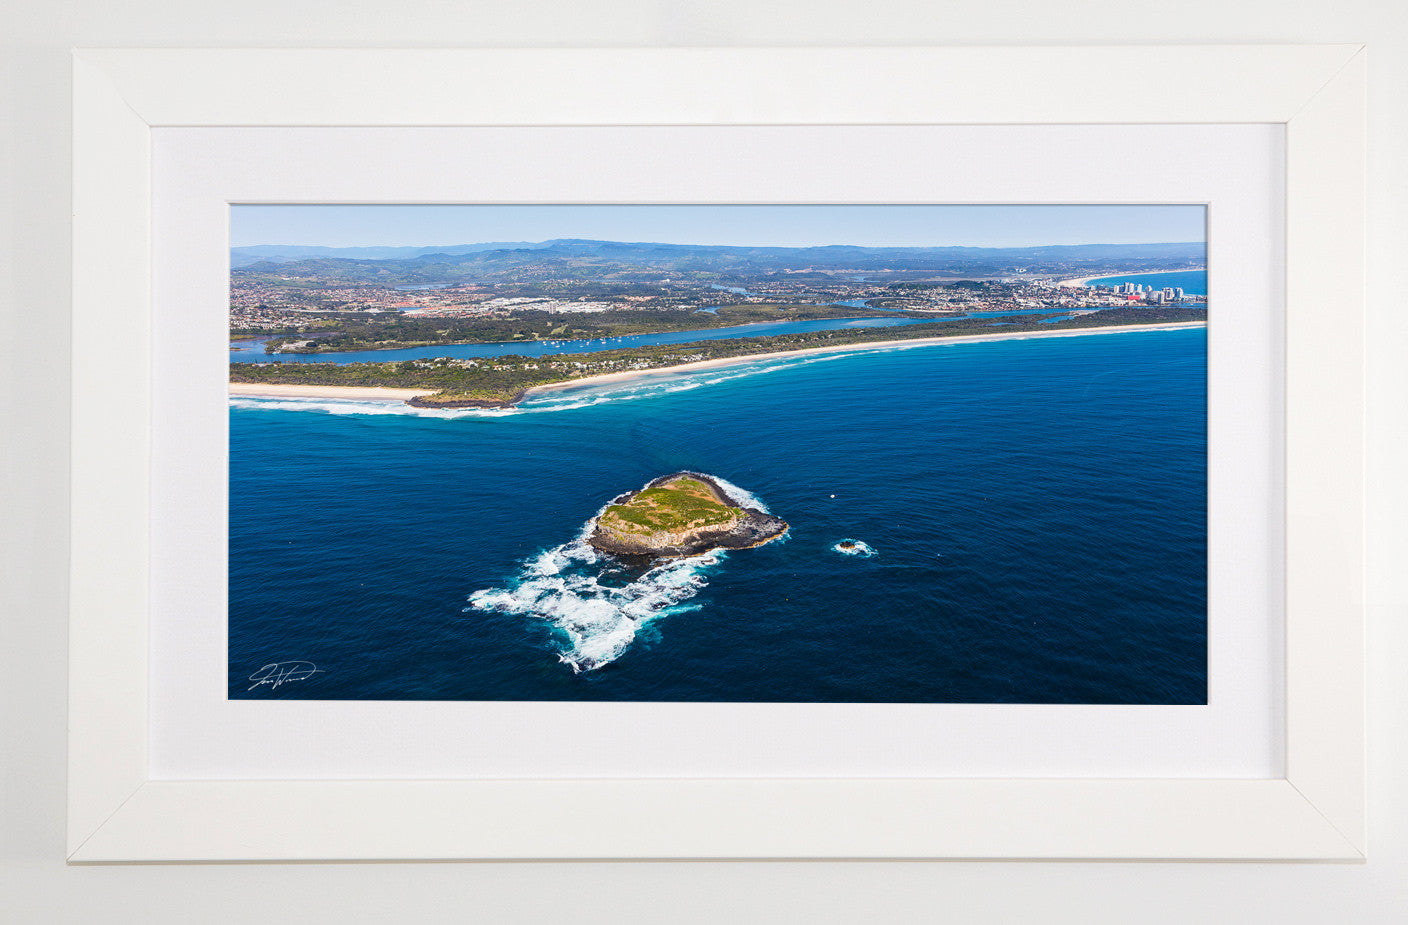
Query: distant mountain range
582	260
282	253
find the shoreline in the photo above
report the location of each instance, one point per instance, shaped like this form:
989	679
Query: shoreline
1085	281
353	392
382	393
686	368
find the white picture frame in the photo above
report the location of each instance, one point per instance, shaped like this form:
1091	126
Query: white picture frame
1317	811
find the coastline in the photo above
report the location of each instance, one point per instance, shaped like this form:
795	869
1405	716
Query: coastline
353	392
381	393
1081	281
686	368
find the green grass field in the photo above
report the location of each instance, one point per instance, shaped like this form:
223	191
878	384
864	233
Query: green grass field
683	504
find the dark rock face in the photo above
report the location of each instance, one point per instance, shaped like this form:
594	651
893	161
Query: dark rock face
752	528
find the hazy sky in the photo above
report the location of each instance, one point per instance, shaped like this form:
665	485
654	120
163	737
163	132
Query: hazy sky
896	225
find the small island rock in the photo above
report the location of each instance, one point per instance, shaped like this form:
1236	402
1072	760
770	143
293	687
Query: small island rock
684	514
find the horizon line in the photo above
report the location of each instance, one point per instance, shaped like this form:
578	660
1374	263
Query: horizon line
700	244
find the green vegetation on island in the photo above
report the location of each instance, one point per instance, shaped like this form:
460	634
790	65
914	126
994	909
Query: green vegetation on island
683	514
684	503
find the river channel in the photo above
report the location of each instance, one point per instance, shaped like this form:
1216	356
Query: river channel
251	350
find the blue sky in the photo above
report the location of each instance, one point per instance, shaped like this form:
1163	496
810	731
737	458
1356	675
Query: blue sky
785	225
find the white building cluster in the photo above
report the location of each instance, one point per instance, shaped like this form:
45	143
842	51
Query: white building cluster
1150	294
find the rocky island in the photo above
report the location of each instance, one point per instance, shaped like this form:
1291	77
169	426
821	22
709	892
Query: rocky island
683	514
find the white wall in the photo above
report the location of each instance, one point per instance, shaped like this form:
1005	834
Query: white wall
35	885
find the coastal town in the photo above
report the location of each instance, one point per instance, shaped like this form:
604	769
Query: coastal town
265	308
591	309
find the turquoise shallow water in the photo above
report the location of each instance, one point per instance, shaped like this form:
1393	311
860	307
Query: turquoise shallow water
1034	513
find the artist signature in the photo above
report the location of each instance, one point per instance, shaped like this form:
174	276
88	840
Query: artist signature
283	672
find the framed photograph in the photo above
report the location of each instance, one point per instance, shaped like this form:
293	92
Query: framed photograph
489	389
805	462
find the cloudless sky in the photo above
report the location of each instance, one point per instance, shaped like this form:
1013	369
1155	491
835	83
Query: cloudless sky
776	225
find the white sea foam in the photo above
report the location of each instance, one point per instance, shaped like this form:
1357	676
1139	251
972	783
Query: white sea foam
569	586
584	396
741	497
580	592
850	547
589	394
349	406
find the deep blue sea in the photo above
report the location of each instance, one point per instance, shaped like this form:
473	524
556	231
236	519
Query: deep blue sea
1031	514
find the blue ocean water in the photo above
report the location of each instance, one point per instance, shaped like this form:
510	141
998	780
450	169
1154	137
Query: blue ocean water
1029	518
1192	282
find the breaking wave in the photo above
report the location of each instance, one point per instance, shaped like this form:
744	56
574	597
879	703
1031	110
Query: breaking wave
589	394
740	496
569	398
596	607
350	406
850	547
596	604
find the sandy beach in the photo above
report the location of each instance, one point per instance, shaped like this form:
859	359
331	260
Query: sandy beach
370	393
352	392
687	368
1081	280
